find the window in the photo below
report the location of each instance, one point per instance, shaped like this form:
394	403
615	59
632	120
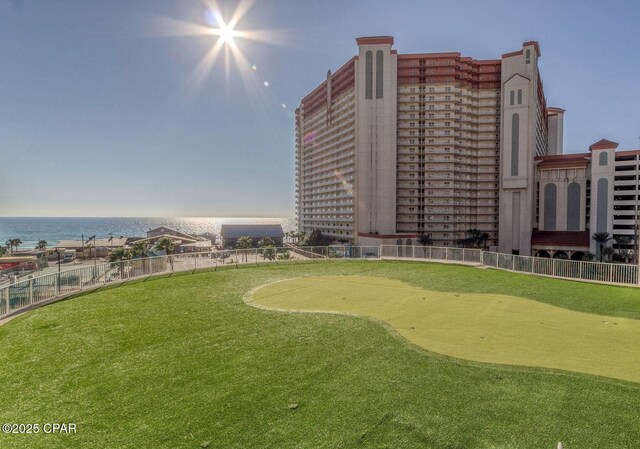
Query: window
519	96
573	207
512	96
603	159
550	200
515	143
368	79
379	73
603	200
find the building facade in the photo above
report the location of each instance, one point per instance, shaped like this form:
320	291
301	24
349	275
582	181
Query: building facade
581	194
393	146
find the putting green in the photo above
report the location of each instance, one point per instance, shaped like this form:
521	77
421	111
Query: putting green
482	327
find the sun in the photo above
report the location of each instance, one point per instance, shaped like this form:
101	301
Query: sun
226	33
228	36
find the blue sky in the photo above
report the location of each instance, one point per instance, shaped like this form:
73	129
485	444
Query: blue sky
99	114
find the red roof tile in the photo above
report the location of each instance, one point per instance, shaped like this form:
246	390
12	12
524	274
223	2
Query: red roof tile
560	238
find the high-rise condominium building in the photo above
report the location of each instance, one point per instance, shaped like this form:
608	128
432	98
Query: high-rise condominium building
393	146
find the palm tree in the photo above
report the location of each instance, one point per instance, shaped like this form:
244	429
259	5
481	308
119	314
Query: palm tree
165	244
475	236
3	251
118	255
141	248
425	240
42	245
244	242
266	241
601	238
15	243
484	236
268	248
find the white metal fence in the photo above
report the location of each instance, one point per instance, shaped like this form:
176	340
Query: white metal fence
27	293
568	269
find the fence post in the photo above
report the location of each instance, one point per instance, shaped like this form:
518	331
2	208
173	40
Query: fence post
553	266
446	254
481	257
379	252
413	252
397	251
463	259
513	263
30	291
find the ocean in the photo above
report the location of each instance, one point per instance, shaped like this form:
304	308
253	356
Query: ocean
53	229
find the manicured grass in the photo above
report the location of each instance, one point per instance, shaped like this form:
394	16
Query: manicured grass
183	361
473	326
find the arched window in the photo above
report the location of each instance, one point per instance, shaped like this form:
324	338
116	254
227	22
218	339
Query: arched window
399	242
603	158
550	200
519	96
515	143
512	96
573	207
368	77
409	242
603	203
379	76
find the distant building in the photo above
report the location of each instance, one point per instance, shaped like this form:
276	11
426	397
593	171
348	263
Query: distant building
22	263
164	231
181	244
89	248
230	233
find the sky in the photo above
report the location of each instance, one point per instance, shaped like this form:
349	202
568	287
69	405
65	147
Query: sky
106	108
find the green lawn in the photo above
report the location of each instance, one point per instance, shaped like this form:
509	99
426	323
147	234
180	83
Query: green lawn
183	361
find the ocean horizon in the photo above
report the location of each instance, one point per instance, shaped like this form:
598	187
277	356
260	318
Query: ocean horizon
54	229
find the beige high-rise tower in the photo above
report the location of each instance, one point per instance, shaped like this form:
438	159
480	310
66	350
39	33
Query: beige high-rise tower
394	146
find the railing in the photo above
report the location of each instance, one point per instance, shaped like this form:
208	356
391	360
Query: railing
30	292
470	255
567	269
